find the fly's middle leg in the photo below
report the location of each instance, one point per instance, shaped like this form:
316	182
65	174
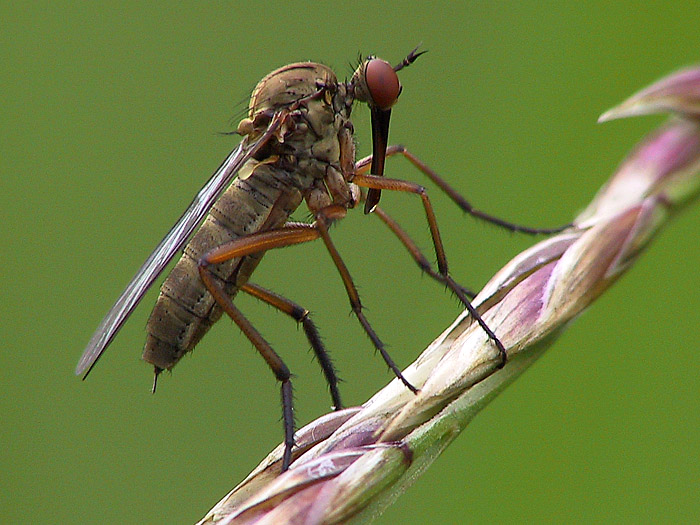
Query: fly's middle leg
297	233
323	219
301	315
288	235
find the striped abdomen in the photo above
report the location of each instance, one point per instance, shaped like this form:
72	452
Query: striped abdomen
185	309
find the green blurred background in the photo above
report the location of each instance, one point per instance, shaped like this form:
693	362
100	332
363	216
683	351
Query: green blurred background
109	120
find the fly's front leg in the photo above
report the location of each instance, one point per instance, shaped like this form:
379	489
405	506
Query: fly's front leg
363	165
381	183
301	315
414	250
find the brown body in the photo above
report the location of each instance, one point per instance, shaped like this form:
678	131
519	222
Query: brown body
311	158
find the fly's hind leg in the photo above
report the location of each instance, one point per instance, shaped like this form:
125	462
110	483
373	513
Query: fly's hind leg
263	347
301	315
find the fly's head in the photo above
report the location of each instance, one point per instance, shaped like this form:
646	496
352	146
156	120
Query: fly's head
376	83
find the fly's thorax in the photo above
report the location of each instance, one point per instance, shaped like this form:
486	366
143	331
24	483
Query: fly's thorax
288	88
289	84
314	142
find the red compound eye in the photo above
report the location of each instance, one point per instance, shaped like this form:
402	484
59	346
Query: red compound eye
382	83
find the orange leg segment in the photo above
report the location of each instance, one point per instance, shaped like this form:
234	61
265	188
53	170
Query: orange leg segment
382	183
289	234
362	166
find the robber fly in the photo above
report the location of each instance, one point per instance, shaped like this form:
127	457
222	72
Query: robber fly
297	145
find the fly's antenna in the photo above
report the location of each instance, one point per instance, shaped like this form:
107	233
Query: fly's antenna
410	59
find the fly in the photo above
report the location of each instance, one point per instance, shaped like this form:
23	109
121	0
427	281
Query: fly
297	146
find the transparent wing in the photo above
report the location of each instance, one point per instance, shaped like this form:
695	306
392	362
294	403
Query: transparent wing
164	252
